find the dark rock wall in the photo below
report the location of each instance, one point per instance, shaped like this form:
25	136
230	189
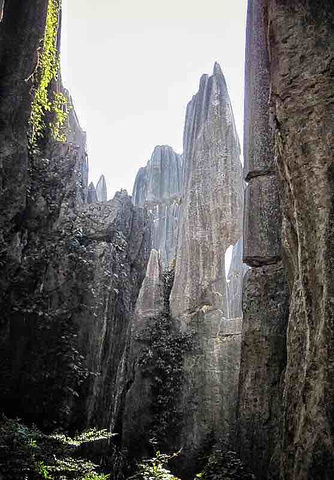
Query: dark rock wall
158	186
285	410
301	47
265	293
70	272
116	240
137	421
18	57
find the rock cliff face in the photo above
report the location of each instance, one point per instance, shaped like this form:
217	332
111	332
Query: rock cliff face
158	186
70	271
211	221
137	421
91	195
265	297
286	380
301	45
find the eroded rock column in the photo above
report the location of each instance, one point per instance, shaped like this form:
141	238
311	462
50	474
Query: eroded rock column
301	43
158	186
265	294
211	221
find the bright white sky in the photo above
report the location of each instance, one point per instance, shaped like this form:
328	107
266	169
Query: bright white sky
133	65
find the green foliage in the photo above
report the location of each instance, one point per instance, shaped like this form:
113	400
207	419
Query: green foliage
27	453
161	360
224	465
47	70
155	468
60	110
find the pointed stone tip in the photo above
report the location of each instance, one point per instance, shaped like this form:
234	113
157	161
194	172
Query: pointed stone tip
217	71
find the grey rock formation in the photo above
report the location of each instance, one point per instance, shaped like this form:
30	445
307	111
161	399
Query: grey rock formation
150	302
119	243
266	298
263	357
301	42
70	271
91	196
211	221
137	417
235	278
101	190
158	186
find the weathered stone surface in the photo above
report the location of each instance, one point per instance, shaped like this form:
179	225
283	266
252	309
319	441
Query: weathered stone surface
212	198
301	43
209	394
137	416
101	190
263	359
70	272
91	196
235	277
18	52
158	186
266	299
150	300
258	138
262	243
160	179
119	242
211	221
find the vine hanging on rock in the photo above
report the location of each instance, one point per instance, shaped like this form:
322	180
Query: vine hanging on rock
47	71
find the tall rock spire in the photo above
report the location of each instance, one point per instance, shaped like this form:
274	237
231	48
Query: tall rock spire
212	197
159	187
212	204
101	190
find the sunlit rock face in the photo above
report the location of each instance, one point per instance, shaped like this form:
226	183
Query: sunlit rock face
158	186
212	205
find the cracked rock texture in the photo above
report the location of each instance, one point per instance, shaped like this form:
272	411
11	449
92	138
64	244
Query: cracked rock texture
211	221
265	291
70	271
301	45
137	416
285	413
158	186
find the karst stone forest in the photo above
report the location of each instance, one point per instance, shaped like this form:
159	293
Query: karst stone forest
129	349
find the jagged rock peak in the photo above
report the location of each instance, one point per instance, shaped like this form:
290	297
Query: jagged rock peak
101	190
212	197
211	220
212	99
161	178
91	195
